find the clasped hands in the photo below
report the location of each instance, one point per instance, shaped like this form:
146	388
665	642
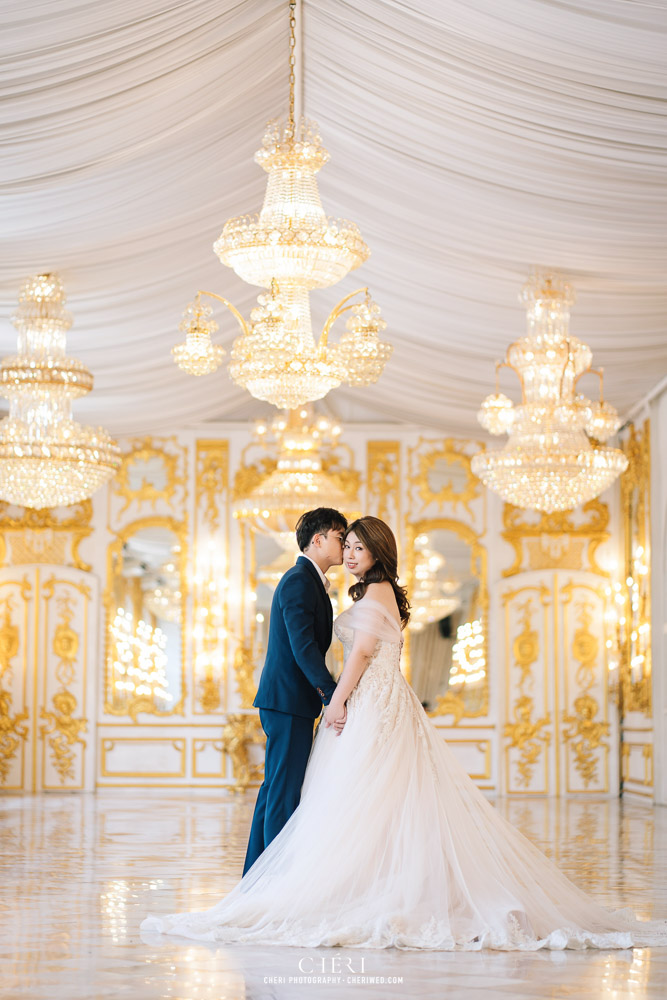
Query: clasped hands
335	714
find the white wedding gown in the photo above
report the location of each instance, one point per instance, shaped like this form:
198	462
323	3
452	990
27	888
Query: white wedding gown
393	845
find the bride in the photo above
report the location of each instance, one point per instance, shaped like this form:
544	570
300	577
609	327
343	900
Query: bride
392	845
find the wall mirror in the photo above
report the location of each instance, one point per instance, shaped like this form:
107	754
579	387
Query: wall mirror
448	652
145	601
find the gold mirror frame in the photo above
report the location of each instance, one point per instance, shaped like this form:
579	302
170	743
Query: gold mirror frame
454	703
636	691
114	552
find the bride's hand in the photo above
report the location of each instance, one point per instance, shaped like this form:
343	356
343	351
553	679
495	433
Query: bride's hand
335	715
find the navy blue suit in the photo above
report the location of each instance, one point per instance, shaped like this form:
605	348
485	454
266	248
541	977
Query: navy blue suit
294	685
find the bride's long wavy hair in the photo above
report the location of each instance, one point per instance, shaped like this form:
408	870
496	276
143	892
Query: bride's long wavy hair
379	539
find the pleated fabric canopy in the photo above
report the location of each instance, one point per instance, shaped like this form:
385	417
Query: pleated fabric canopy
470	140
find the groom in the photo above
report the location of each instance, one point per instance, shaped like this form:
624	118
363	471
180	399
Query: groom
295	682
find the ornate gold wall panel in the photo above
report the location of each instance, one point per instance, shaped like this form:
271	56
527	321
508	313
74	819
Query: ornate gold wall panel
585	720
528	727
153	472
635	636
383	481
14	675
562	540
558	733
47	684
66	610
44	536
210	651
440	480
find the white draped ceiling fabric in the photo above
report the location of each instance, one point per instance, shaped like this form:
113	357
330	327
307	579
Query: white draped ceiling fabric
471	140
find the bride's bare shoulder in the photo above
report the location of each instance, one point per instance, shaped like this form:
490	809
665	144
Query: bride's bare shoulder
384	593
380	590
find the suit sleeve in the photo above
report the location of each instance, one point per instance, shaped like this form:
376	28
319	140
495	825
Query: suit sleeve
298	608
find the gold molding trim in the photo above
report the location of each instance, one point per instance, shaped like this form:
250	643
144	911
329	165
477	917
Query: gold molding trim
209	681
529	737
51	535
484	747
198	746
647	754
636	693
62	729
581	730
13	732
238	734
556	541
143	449
383	479
107	744
454	451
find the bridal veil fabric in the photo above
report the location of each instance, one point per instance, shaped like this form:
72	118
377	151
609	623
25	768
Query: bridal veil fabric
393	845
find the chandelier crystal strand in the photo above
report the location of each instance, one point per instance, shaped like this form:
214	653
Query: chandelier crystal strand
302	446
549	463
291	248
361	352
277	360
47	459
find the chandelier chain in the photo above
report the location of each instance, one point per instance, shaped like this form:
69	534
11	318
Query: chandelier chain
290	248
292	65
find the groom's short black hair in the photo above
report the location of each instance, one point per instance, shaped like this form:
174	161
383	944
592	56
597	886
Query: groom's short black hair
318	522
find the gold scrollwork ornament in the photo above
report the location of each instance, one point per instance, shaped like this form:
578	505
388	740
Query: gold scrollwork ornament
12	730
63	731
528	737
586	736
239	733
244	669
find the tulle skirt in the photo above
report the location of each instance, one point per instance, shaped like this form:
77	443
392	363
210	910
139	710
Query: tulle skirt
393	845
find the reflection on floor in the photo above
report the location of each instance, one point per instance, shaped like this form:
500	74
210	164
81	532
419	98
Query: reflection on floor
78	873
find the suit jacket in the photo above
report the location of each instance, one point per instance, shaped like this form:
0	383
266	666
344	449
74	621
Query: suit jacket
295	679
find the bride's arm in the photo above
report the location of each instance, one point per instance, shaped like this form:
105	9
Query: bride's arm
361	655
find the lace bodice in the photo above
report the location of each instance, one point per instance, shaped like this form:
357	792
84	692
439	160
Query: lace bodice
382	683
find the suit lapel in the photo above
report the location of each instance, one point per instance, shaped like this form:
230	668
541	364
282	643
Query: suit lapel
303	561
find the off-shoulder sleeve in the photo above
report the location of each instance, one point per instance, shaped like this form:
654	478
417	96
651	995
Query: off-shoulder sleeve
371	618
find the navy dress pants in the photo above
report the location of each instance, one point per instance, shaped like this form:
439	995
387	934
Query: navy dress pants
289	739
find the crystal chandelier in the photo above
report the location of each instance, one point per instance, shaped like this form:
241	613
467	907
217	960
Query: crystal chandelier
46	458
549	462
303	476
290	248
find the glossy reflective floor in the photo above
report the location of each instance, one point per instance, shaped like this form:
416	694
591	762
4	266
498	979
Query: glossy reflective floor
78	873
